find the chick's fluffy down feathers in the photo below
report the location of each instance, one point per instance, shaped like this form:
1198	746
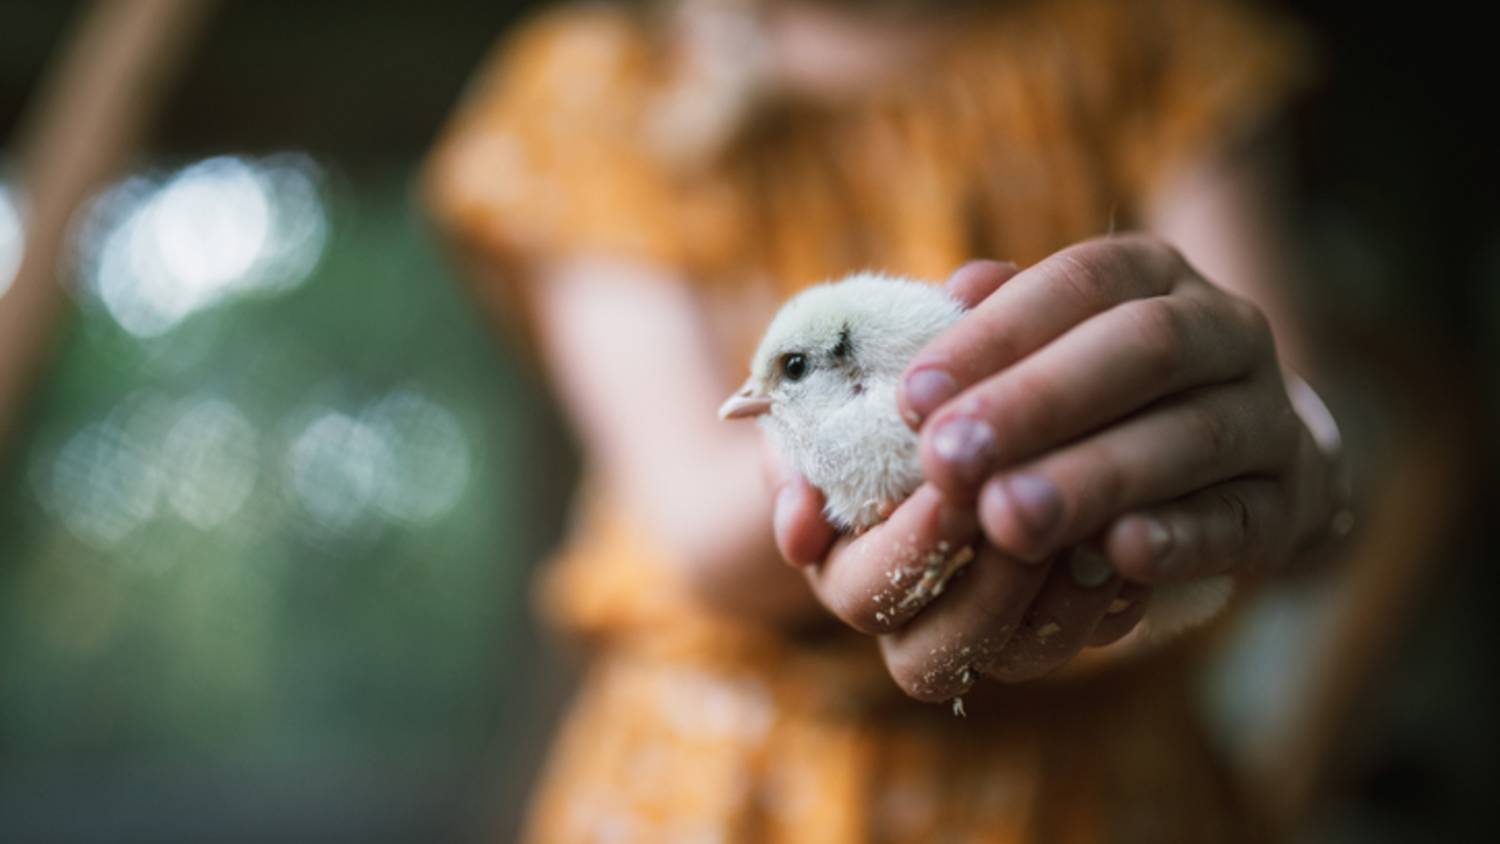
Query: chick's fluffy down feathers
829	365
838	425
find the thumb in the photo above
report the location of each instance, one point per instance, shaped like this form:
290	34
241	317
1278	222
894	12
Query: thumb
803	536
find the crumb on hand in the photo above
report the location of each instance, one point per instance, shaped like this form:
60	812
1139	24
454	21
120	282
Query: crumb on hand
936	575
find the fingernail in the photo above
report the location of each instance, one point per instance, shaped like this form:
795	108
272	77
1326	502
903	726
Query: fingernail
1160	543
926	390
1088	568
1158	539
967	445
1036	501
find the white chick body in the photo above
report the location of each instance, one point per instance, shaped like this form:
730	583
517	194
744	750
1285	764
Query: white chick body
838	424
823	386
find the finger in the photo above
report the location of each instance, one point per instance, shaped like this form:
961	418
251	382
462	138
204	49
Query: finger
970	284
1061	620
874	582
1032	309
803	535
1240	525
1122	615
1169	450
931	657
1107	367
973	282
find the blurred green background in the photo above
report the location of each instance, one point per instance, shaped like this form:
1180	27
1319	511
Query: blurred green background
266	535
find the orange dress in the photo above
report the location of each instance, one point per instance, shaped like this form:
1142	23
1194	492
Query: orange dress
1041	124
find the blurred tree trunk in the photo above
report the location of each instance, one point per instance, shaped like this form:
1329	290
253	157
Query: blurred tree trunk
88	118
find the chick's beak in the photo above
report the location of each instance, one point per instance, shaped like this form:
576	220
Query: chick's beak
745	403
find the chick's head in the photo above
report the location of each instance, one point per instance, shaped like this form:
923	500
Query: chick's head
831	343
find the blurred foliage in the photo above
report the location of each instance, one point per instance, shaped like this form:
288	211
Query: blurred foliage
269	632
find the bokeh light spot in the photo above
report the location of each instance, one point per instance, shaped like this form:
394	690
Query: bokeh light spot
336	465
154	252
210	454
431	456
103	484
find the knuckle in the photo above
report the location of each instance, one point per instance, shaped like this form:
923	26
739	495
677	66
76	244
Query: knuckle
1168	254
1151	258
1246	330
1252	321
1157	252
1164	334
1239	524
1088	275
1212	429
1130	262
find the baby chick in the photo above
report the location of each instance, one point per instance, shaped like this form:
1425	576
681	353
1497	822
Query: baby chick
823	387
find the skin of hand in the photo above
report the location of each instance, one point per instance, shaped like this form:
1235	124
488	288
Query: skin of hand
1104	420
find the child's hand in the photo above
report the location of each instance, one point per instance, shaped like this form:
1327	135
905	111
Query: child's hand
998	617
1107	394
1112	389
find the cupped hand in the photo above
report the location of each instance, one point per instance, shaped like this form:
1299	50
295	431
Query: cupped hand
997	617
1112	391
1102	421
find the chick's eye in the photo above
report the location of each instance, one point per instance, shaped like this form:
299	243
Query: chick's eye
794	367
